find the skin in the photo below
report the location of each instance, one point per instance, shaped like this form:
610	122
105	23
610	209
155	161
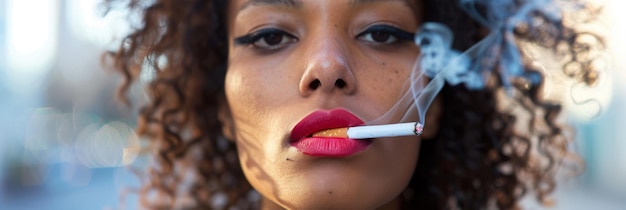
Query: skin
269	91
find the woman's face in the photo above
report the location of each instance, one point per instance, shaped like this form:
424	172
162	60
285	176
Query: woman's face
298	66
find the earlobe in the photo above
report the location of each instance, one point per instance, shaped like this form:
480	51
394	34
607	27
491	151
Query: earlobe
433	119
226	119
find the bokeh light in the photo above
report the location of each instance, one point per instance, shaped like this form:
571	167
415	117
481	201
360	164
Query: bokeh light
31	41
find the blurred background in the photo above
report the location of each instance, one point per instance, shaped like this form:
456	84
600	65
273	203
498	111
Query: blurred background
64	139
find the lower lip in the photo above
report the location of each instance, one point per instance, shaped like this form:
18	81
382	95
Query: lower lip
330	147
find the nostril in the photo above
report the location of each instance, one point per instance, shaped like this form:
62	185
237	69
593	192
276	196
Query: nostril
315	84
340	83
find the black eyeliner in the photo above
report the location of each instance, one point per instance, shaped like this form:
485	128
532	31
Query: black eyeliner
244	40
255	36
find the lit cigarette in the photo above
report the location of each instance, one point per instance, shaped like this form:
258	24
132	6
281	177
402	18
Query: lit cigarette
374	131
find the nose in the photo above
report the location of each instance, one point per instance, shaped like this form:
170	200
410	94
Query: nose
327	69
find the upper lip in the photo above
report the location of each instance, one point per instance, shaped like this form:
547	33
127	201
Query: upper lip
322	120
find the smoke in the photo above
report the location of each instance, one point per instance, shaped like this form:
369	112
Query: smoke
497	51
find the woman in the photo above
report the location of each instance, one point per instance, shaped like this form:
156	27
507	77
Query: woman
242	85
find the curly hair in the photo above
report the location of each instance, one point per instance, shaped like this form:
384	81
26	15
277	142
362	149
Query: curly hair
480	158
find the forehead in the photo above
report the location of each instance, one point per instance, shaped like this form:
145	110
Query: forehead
238	5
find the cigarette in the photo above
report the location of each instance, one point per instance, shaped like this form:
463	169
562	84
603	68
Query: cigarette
374	131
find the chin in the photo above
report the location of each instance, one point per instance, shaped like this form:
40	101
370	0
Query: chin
367	180
335	194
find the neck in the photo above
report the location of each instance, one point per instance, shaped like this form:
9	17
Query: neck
267	204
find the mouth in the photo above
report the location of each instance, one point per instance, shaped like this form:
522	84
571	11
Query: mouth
302	134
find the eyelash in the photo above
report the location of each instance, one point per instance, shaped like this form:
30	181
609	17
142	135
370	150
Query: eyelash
253	38
396	33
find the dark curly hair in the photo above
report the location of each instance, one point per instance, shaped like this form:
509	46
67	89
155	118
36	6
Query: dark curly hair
493	148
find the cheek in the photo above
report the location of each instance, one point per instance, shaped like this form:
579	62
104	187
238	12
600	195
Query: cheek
258	99
385	82
257	86
250	100
239	92
247	97
251	91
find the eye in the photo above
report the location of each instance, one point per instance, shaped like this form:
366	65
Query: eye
266	39
384	34
380	37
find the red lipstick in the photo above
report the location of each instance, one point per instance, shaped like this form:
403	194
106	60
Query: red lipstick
301	135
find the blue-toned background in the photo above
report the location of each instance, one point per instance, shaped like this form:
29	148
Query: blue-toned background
64	140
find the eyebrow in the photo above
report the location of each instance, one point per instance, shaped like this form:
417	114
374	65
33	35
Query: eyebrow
278	3
361	2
